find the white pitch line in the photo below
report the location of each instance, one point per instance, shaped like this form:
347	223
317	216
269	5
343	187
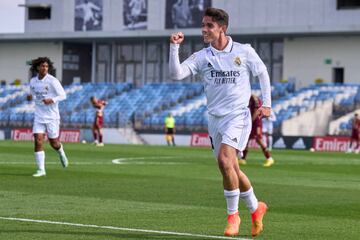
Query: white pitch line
119	228
55	163
130	160
134	160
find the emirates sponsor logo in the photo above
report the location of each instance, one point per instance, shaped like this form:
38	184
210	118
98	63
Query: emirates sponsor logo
200	140
331	144
22	134
25	134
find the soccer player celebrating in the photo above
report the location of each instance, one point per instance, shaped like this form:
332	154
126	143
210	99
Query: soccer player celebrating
256	133
98	121
225	67
47	92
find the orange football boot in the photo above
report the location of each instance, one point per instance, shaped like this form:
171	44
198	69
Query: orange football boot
232	227
257	217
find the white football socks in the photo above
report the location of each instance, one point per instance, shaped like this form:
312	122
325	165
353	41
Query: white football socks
61	150
40	160
250	199
270	142
232	200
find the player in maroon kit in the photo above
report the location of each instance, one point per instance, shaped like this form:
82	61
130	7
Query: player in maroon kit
99	120
256	132
355	135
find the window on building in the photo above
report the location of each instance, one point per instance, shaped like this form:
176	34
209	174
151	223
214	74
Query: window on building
348	4
264	51
103	63
128	63
153	62
39	12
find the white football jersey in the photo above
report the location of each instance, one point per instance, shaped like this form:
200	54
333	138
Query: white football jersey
48	87
272	117
226	75
268	123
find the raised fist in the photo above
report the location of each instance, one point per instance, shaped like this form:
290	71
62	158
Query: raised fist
177	38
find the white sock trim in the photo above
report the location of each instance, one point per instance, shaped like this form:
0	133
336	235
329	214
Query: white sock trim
231	193
250	199
232	200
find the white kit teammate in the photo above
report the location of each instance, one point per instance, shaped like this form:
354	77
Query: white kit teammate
268	129
47	92
225	67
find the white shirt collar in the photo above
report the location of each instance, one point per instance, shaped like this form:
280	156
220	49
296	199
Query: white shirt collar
37	76
227	49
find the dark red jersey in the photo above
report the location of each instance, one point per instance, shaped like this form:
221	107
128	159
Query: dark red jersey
355	129
99	117
254	104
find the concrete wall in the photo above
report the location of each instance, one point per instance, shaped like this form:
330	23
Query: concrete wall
13	58
312	123
113	135
159	139
246	17
304	58
59	16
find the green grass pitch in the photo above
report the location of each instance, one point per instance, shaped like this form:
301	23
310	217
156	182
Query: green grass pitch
172	189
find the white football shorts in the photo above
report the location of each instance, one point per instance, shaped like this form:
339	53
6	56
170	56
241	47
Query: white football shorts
51	128
232	129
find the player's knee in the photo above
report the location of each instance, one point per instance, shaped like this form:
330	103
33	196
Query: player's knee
55	143
38	140
224	163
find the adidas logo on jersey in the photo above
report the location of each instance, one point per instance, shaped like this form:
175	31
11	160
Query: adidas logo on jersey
209	65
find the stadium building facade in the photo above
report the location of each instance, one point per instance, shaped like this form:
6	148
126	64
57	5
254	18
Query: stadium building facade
128	40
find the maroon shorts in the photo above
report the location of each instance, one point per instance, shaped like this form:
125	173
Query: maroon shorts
355	135
257	123
100	121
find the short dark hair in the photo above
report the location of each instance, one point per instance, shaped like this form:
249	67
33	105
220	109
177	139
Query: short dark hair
218	15
40	60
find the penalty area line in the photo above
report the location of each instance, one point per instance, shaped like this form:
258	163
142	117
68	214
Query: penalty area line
118	228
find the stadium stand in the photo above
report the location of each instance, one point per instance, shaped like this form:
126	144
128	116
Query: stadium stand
146	107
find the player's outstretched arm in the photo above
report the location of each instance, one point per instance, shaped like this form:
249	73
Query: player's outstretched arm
177	71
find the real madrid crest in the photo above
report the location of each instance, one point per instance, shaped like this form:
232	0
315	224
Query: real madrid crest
237	61
47	88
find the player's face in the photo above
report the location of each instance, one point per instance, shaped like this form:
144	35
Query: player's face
43	68
211	30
